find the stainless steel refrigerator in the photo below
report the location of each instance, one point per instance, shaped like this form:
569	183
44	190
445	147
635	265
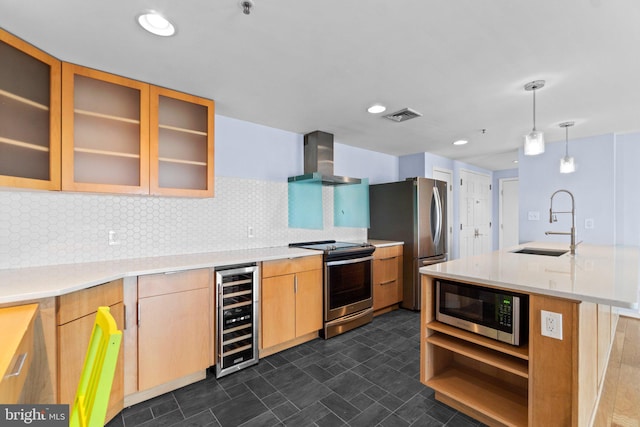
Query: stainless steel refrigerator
414	212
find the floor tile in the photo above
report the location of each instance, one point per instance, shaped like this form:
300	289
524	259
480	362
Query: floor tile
236	411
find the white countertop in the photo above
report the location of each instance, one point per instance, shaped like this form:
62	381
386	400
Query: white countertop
24	284
600	274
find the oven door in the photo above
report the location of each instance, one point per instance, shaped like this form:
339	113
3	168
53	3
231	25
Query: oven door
347	287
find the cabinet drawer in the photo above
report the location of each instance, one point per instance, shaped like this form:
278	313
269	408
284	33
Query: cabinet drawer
81	303
167	283
289	266
388	252
19	320
385	270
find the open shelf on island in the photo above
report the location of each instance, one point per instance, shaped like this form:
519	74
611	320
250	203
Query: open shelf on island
482	394
485	355
521	352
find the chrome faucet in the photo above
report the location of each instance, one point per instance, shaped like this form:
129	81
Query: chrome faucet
553	218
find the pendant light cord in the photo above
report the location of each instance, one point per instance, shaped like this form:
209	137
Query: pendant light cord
566	138
534	110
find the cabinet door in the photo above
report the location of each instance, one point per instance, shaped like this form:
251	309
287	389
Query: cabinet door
181	144
29	116
173	336
278	315
73	340
105	132
308	302
387	285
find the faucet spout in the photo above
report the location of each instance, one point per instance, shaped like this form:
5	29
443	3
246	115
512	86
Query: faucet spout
553	218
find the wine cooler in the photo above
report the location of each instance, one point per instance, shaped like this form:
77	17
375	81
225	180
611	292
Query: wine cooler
237	309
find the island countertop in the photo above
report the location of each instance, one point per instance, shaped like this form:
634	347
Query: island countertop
600	274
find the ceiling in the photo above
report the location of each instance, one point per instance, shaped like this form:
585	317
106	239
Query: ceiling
312	65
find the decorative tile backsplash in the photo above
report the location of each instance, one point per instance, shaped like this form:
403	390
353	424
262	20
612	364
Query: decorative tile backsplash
46	228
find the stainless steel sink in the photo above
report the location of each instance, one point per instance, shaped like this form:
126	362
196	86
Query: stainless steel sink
546	252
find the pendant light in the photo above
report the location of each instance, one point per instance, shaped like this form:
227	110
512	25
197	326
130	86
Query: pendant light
534	141
567	164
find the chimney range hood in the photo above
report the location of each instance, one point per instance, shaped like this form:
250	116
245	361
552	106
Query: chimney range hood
318	161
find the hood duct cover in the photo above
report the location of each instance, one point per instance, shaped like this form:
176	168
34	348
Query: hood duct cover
318	161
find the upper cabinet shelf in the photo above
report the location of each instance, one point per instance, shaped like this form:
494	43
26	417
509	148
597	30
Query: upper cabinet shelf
29	116
64	126
182	144
105	132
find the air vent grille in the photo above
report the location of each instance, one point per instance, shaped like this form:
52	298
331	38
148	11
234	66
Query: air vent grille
403	115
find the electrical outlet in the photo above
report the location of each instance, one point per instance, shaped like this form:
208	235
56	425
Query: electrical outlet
533	216
250	234
113	238
588	223
551	324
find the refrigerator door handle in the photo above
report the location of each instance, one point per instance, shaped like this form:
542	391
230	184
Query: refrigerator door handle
432	261
438	218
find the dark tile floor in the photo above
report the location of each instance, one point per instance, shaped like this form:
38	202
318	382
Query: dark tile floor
366	377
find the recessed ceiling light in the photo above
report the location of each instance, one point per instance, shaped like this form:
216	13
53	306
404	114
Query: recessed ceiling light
460	142
376	108
156	24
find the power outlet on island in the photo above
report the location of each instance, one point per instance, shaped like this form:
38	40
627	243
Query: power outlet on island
551	324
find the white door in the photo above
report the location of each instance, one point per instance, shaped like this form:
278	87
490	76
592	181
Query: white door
509	229
475	213
447	176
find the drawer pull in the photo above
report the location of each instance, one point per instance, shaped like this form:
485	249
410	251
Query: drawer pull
388	258
388	282
17	367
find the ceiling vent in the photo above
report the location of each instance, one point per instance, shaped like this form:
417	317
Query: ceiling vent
403	115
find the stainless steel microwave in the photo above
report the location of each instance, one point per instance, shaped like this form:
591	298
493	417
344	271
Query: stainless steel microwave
494	313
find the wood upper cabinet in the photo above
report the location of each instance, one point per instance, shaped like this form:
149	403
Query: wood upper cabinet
174	331
29	116
290	299
181	144
75	319
105	132
387	276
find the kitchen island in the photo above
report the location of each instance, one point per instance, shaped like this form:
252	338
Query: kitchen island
545	381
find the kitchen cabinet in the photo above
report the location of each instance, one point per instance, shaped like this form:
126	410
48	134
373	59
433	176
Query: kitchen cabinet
105	132
174	330
291	301
29	116
544	382
387	278
75	319
16	336
181	144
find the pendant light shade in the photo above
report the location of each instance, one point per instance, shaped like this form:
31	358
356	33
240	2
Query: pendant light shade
534	141
567	163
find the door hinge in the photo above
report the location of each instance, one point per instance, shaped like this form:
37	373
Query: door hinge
489	187
460	181
489	224
460	226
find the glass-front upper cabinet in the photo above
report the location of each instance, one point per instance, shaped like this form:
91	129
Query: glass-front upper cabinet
105	132
182	144
29	116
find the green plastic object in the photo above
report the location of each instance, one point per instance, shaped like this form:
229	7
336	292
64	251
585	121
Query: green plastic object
351	205
92	396
305	203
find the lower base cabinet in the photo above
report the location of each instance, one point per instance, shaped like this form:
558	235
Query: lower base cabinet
75	319
174	331
387	277
290	300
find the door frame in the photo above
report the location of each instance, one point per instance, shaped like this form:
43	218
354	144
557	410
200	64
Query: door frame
449	207
501	182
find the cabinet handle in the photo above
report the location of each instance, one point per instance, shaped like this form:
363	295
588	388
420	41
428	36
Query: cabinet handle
17	367
139	314
388	282
387	259
124	327
295	284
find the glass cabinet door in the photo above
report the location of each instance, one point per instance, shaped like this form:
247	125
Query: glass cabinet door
29	116
182	143
105	132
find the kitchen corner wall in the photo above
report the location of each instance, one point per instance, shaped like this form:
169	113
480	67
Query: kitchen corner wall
252	166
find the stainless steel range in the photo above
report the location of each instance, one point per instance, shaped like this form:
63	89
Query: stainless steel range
348	289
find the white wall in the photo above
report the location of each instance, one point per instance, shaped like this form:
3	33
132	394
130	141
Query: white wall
593	186
627	180
497	176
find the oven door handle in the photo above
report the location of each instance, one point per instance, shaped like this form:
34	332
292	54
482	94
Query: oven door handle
348	261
